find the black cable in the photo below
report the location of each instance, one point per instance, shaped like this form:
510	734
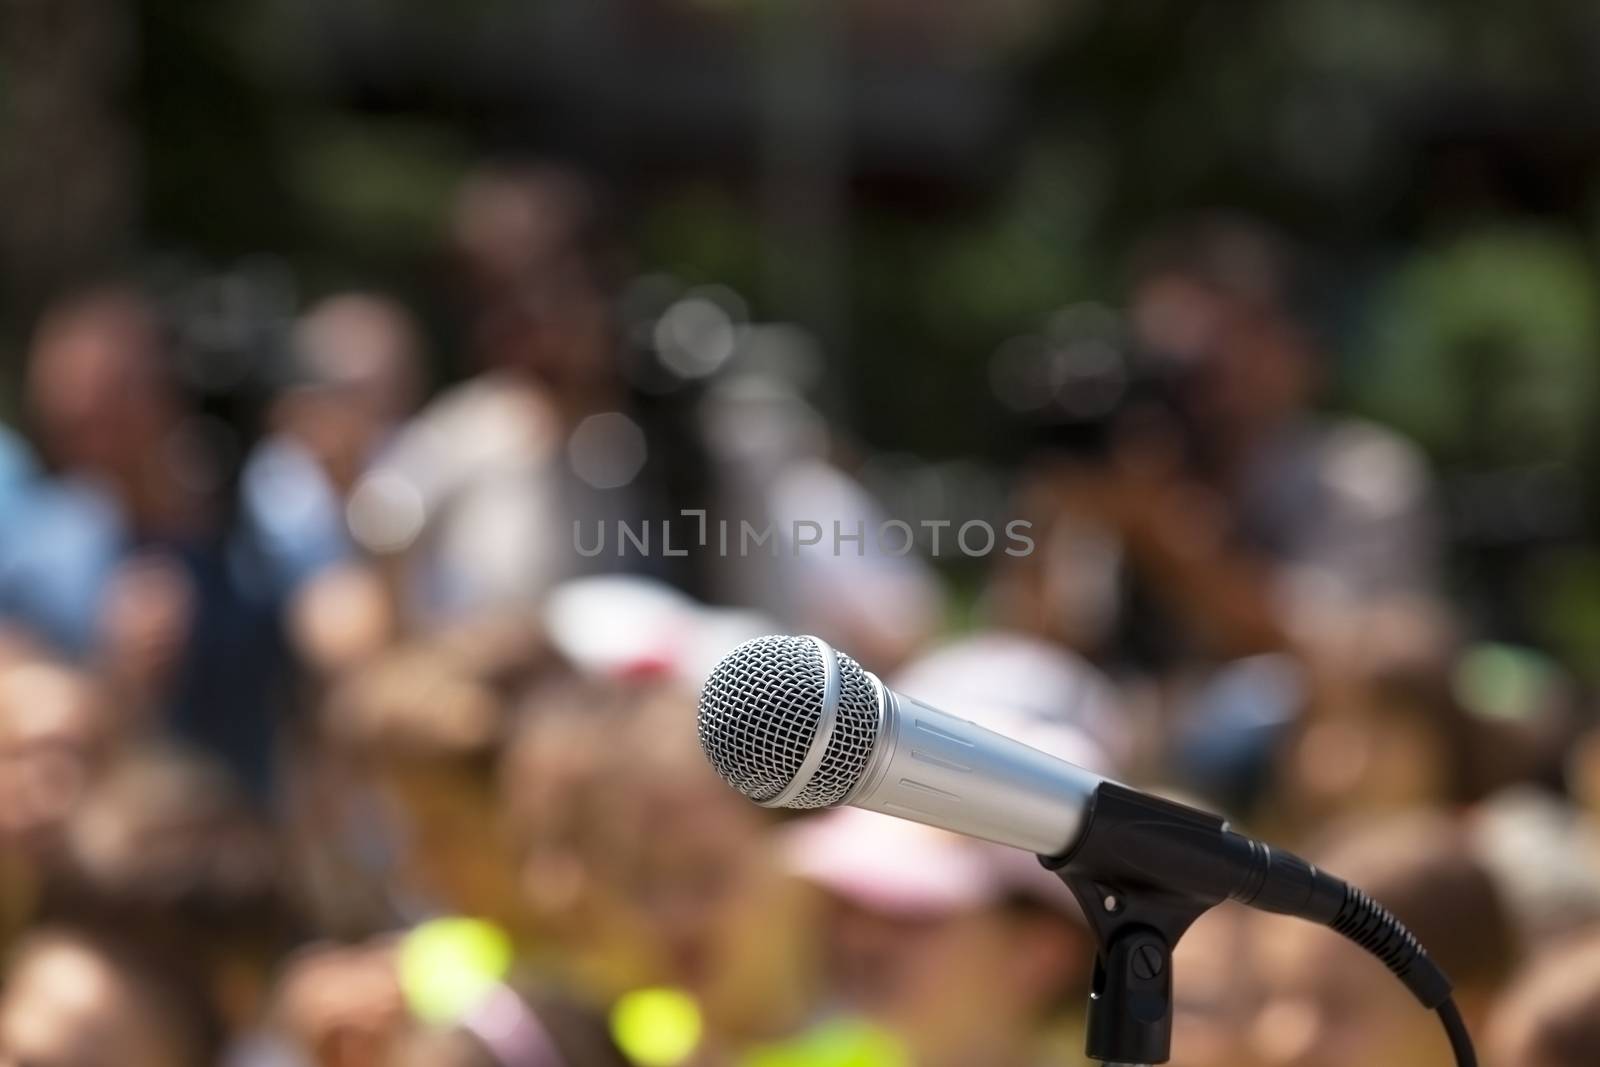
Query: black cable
1460	1040
1373	927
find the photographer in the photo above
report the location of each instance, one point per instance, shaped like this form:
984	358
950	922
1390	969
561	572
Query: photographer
1237	511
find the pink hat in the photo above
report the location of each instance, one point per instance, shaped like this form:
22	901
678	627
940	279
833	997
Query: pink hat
906	869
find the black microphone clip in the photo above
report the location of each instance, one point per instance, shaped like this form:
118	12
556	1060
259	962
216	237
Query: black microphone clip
1144	868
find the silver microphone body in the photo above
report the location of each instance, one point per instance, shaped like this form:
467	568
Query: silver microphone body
936	768
789	722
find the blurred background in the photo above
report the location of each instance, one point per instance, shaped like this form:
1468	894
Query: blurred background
351	357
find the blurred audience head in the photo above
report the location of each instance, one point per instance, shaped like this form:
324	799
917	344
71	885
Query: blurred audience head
72	999
518	223
1210	305
537	246
693	861
55	735
1191	276
1215	991
1326	1002
166	850
644	865
556	781
343	617
1550	1016
1388	729
356	373
425	731
341	1005
99	392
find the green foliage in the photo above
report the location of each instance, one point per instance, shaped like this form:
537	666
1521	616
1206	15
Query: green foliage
702	234
1483	348
380	188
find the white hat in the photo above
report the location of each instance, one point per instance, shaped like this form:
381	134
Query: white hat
1030	689
615	625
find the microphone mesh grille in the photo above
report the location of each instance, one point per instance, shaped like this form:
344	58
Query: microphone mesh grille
760	711
854	733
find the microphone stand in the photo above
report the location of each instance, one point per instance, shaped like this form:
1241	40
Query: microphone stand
1121	872
1144	869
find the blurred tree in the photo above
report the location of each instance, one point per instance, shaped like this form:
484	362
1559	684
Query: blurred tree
1483	349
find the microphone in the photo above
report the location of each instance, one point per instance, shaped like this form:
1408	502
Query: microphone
791	723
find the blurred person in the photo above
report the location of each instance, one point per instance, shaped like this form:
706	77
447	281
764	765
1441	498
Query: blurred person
56	735
694	864
354	374
477	496
494	494
341	1005
392	814
423	732
1242	514
1227	735
103	401
122	555
555	779
166	851
1388	724
1550	1016
341	618
1545	855
653	875
106	416
778	465
442	993
956	951
515	222
71	999
1326	1002
1215	991
1217	533
1342	507
425	729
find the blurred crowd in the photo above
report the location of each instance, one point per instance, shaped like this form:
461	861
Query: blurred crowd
338	749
